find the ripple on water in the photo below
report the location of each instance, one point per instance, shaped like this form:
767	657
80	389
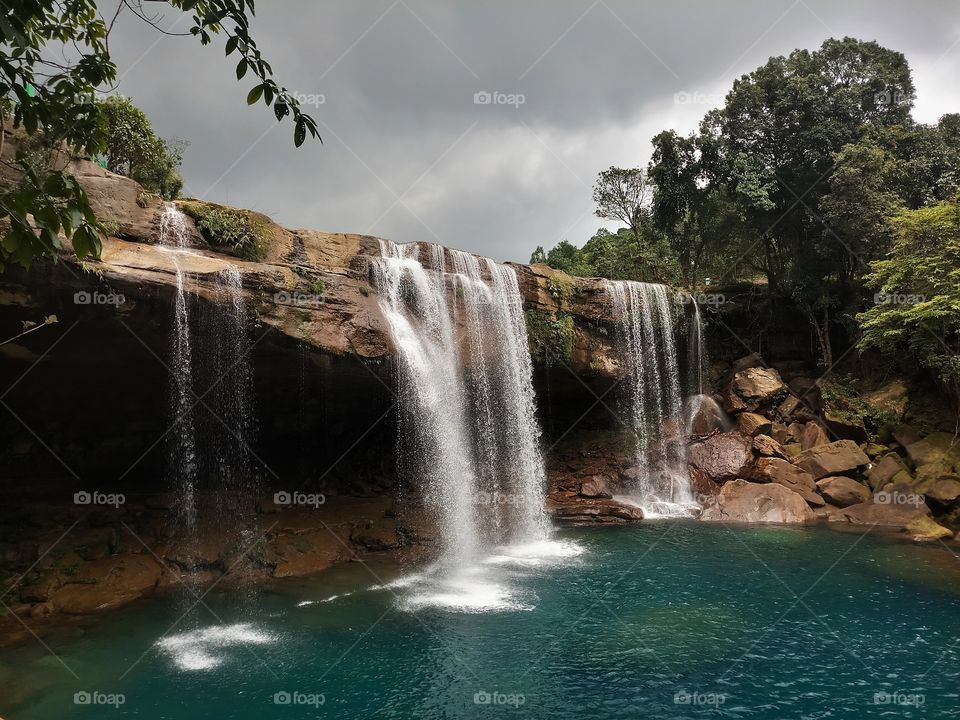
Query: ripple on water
205	648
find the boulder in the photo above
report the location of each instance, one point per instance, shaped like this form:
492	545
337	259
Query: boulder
742	501
925	529
591	512
845	426
776	470
892	398
884	471
945	491
906	435
596	487
767	446
721	456
931	472
813	435
873	450
833	458
708	417
936	447
842	491
107	583
886	509
756	387
752	424
781	433
789	406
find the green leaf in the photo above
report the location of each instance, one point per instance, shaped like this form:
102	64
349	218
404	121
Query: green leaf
299	133
254	95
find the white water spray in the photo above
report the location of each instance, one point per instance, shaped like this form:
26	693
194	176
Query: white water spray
645	332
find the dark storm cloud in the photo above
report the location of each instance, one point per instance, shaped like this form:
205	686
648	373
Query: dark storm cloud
408	154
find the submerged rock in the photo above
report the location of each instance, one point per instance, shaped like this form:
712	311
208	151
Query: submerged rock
742	501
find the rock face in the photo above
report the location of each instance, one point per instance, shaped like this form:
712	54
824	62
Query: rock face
596	487
936	447
832	459
888	514
742	501
752	424
722	456
776	470
813	435
107	583
842	491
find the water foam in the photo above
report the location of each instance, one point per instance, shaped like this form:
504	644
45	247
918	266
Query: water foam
202	649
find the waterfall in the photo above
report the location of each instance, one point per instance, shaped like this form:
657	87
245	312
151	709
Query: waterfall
696	355
645	335
467	404
182	451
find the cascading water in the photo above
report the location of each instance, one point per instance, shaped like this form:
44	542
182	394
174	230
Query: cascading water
182	452
468	422
645	332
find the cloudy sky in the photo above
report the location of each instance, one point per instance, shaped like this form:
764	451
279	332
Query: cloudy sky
408	154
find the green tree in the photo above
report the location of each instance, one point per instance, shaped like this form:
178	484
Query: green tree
134	150
53	99
917	303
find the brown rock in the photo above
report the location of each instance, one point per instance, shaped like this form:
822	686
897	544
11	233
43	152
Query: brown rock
887	509
376	535
925	529
776	470
303	553
945	491
781	433
789	406
596	487
753	360
936	447
752	424
845	427
883	471
766	445
891	398
906	435
107	583
721	456
813	434
843	491
742	501
757	387
594	511
832	459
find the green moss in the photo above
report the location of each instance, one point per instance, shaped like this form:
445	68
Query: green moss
110	227
551	337
844	401
561	289
240	232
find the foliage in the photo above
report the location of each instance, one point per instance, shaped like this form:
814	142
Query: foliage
241	232
551	337
623	194
54	57
134	150
917	304
844	401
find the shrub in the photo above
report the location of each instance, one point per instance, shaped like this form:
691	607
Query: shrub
550	337
240	232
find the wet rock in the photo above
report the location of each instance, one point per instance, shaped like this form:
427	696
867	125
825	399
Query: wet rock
591	512
776	470
596	487
721	456
107	583
752	424
813	435
708	417
376	535
888	509
945	492
925	529
742	501
294	554
834	458
884	471
843	491
767	446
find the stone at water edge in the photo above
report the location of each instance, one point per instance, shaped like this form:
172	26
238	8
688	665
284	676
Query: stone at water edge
752	424
813	435
767	446
945	491
721	456
775	470
834	458
925	529
892	514
843	491
742	501
884	471
596	487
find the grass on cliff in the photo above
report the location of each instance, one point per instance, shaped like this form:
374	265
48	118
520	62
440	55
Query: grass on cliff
242	233
551	337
